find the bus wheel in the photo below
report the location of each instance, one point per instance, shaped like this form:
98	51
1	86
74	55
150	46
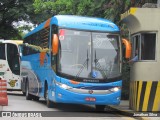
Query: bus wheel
48	102
35	98
28	96
100	108
24	93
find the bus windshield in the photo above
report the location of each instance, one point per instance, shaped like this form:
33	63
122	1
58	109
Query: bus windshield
93	55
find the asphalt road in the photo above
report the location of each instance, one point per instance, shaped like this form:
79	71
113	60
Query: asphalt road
20	109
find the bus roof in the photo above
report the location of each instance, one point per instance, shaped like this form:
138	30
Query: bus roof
78	22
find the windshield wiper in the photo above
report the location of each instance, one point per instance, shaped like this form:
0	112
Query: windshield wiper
97	64
83	66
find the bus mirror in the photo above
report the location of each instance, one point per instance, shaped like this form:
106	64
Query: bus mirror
55	44
127	45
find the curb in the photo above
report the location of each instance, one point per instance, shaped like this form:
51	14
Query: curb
125	112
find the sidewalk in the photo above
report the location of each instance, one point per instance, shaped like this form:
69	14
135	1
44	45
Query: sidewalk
123	109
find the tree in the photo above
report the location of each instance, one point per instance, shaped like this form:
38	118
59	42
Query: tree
139	3
110	9
13	11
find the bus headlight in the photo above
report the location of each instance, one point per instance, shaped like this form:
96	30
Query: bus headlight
115	89
64	86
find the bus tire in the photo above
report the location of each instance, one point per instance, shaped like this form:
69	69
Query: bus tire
36	98
28	96
24	93
48	102
100	108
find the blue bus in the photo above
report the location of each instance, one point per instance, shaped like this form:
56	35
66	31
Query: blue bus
73	59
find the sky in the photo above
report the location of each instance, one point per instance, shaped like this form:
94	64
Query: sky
23	23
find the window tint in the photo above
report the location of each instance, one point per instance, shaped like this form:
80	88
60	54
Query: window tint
148	44
2	52
136	46
36	42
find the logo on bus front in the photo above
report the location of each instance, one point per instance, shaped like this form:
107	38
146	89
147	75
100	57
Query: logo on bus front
12	83
90	91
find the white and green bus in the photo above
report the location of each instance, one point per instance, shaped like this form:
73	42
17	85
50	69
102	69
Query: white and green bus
10	68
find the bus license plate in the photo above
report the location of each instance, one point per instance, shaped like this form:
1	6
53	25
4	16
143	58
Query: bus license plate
91	99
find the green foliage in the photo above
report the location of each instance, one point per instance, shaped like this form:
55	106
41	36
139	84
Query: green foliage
12	11
126	80
110	9
139	3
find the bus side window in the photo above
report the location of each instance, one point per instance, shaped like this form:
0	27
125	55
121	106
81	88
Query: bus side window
2	52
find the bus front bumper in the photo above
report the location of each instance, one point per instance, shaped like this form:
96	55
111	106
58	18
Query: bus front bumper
65	96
